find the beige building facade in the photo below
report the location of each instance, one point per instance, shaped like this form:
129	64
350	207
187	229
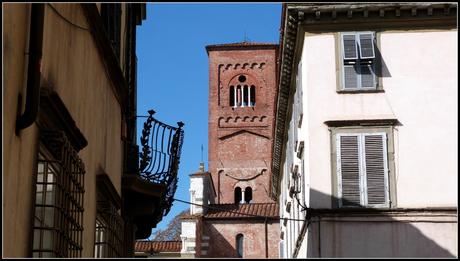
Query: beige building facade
366	154
69	132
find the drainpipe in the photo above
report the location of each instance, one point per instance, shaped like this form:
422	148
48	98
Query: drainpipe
266	238
33	69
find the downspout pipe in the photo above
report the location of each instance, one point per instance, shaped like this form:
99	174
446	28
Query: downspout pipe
26	119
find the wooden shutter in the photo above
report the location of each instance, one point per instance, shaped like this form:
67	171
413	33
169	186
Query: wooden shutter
376	168
367	75
348	170
366	46
350	77
349	46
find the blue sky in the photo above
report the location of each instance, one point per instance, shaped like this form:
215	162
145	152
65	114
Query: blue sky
173	68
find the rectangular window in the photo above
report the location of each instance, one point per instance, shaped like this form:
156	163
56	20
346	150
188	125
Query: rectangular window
58	215
109	234
109	223
362	169
358	61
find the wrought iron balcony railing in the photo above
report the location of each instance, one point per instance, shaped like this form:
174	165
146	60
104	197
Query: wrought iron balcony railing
160	156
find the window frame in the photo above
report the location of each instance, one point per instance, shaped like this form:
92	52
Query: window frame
375	63
109	225
389	153
242	94
68	197
362	169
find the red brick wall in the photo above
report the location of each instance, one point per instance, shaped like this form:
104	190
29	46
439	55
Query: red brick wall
223	234
240	139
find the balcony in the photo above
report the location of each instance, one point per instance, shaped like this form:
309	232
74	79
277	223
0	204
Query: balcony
150	178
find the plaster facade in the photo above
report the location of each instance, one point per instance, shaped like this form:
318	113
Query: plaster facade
73	68
416	100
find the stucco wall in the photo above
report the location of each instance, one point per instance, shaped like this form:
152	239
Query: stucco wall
19	152
412	236
420	90
72	66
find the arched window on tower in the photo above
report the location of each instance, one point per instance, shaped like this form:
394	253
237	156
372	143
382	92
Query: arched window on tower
242	92
237	195
239	245
232	96
248	195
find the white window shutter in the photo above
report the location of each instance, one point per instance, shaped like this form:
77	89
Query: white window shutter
349	46
350	76
376	170
367	75
349	170
366	44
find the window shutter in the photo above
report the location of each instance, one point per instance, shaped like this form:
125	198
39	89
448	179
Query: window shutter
367	75
366	44
349	46
348	165
350	76
375	162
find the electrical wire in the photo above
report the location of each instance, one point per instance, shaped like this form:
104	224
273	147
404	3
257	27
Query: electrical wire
67	20
237	212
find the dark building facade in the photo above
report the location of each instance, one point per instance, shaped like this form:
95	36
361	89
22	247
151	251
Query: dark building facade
71	171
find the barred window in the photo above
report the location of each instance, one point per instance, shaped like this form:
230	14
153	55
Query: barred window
58	215
109	229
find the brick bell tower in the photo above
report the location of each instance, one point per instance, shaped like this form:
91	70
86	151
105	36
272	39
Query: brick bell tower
238	217
242	93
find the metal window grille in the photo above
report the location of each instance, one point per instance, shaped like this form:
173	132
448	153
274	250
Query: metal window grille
58	215
109	229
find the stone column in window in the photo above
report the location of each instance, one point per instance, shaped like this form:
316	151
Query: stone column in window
249	97
234	96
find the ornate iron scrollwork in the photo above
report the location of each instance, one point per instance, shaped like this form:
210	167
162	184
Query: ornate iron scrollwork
160	156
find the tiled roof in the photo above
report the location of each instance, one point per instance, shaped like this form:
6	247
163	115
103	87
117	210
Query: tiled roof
242	210
157	246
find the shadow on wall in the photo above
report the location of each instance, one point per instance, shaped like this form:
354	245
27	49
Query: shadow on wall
219	246
382	70
364	232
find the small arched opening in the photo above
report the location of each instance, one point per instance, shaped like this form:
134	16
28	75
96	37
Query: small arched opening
248	195
239	245
237	195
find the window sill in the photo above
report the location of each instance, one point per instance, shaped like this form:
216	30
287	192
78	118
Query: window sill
360	91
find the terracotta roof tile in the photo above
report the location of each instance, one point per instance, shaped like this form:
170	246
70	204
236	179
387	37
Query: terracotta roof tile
158	246
242	210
